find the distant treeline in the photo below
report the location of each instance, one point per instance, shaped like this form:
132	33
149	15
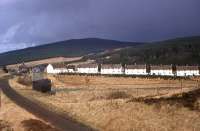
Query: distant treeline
178	51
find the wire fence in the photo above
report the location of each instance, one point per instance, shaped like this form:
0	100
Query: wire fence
136	90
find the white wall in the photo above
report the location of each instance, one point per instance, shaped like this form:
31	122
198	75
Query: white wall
71	71
88	70
50	69
162	72
135	72
188	73
111	71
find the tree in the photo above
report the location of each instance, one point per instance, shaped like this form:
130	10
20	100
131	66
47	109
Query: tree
124	58
5	69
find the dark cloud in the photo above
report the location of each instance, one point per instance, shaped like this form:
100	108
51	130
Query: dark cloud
32	22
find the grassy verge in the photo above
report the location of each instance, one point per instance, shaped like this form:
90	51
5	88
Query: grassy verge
114	110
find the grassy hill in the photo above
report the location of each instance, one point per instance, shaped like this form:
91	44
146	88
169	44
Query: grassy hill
180	51
69	48
175	51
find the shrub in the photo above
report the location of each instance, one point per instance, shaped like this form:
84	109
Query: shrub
118	95
25	80
5	126
5	69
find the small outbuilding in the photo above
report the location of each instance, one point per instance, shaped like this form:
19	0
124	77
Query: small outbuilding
42	85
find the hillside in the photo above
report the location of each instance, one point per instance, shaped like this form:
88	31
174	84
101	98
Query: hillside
180	51
69	48
175	51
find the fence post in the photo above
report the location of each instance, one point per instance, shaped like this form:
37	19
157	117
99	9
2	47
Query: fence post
137	91
181	86
157	91
0	98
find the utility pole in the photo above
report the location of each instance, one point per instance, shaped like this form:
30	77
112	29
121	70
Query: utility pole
181	86
0	98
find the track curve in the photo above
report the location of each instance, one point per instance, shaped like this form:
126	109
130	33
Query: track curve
59	121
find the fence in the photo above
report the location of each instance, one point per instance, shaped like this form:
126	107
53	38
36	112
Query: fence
139	89
157	89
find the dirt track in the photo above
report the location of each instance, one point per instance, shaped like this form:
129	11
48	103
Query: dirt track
59	121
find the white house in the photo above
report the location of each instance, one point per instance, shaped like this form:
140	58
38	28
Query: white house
135	70
162	70
87	68
111	69
50	69
187	71
56	69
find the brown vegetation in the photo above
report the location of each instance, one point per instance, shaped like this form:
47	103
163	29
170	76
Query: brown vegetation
14	118
118	95
46	61
107	105
36	125
190	100
5	126
25	80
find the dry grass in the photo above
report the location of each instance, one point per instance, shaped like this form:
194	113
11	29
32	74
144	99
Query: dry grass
12	116
190	100
90	104
118	95
46	61
36	125
120	82
5	126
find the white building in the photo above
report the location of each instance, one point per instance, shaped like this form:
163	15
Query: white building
135	70
187	71
163	70
56	69
50	69
112	69
87	69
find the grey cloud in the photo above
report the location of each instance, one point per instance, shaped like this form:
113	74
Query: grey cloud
42	21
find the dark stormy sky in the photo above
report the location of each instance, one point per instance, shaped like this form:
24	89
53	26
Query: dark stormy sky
25	23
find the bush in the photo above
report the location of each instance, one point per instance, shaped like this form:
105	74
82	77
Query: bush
118	95
25	80
5	126
5	69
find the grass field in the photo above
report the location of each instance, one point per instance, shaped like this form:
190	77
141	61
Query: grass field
111	104
46	61
14	118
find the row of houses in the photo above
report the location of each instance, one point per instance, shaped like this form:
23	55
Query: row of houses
117	69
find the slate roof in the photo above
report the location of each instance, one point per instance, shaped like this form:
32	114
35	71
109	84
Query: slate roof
111	66
87	66
135	66
178	68
161	67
